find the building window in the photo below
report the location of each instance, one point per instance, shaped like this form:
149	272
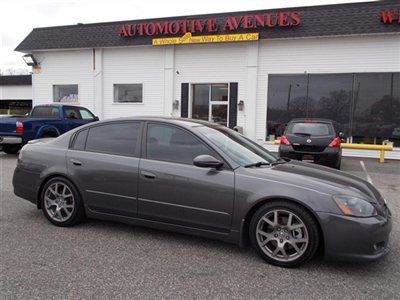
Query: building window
65	93
366	106
15	107
128	93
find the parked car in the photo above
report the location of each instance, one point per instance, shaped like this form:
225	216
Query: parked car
44	121
313	140
204	179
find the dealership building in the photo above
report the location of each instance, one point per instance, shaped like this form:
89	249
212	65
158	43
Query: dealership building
15	94
252	69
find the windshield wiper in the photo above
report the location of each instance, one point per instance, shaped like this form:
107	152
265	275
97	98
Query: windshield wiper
279	161
258	164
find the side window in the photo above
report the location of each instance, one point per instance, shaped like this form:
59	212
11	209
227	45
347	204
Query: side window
169	143
114	138
72	113
85	114
80	140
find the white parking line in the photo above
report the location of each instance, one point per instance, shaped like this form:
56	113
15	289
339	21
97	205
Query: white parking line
366	173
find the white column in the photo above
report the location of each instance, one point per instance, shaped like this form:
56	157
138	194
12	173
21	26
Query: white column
168	80
251	90
98	84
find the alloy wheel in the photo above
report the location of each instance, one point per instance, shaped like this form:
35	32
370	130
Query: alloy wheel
282	235
59	201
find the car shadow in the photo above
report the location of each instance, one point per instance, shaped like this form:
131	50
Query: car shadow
247	253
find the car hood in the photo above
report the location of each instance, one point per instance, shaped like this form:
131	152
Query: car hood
319	178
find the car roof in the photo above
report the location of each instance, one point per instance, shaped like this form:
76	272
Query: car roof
312	120
172	120
59	104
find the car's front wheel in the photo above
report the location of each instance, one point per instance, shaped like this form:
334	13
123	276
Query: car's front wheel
61	202
284	234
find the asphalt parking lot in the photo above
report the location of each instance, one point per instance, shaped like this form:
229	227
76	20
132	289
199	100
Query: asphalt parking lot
109	260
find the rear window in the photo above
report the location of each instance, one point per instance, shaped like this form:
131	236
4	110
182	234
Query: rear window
312	129
45	112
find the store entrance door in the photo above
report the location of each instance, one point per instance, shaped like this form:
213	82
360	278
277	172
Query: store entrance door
210	102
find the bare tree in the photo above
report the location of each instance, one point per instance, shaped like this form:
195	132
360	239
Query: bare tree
14	71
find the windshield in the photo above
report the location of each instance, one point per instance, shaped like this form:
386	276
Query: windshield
312	129
239	148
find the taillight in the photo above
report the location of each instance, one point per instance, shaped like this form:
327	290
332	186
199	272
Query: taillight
335	143
20	127
284	140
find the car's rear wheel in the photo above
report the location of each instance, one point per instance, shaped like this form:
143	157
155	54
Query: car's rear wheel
11	149
284	234
61	202
48	135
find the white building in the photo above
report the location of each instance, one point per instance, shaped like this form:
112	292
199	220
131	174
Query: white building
337	61
15	94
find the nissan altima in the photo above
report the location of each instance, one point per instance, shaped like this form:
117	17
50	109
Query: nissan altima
203	179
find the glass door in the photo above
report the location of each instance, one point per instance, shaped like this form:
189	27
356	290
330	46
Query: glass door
210	102
201	102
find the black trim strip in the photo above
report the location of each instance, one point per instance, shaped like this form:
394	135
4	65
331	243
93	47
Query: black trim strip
184	206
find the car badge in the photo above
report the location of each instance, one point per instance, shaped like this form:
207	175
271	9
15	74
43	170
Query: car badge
308	141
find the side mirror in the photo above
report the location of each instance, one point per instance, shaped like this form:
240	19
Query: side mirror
96	118
342	136
207	161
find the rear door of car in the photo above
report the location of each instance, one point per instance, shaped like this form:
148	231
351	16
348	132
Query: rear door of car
173	190
104	162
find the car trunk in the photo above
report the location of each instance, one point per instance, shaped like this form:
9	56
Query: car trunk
308	143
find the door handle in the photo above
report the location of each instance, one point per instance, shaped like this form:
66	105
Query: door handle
76	162
148	175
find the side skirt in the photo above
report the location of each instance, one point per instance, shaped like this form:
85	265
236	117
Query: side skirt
232	237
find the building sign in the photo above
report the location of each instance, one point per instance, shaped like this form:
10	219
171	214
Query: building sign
390	16
202	39
211	25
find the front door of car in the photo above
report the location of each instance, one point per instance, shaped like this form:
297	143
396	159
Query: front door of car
173	190
104	162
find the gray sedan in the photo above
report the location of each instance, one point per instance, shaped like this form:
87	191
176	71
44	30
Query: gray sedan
203	179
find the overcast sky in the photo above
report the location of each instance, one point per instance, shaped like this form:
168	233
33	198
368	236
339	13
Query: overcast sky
19	17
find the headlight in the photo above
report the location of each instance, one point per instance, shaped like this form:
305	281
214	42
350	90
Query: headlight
353	206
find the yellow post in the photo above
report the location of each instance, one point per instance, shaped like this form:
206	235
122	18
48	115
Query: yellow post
382	157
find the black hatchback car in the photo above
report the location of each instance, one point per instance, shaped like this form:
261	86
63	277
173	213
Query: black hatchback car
315	140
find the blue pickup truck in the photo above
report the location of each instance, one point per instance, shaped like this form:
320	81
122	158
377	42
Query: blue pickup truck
43	121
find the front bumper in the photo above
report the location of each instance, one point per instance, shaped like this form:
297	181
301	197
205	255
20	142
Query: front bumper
355	239
13	140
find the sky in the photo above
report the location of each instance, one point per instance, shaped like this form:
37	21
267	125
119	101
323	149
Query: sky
19	17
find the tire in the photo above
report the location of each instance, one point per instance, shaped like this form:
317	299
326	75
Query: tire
338	163
11	149
267	237
61	202
46	135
